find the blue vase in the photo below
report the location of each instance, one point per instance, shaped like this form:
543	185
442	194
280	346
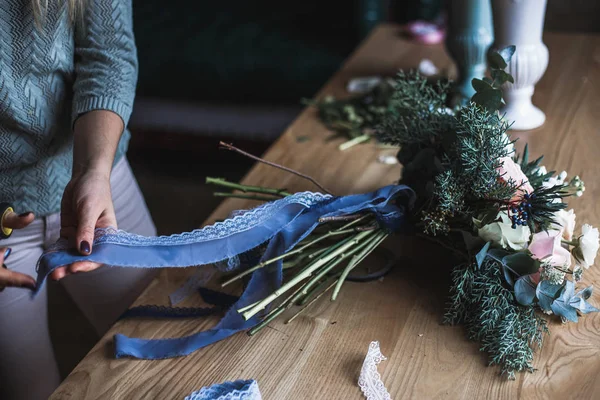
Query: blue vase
470	34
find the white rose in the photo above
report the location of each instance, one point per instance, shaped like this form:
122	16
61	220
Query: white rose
501	233
589	242
564	220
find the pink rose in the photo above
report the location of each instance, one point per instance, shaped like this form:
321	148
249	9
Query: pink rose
511	171
547	247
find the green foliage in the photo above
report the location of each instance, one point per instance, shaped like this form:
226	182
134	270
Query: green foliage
450	158
351	117
509	332
417	114
488	94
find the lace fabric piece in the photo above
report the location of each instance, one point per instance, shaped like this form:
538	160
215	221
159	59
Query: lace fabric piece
241	222
236	390
370	380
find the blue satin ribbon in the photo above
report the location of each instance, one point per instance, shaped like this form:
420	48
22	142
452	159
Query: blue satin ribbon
280	224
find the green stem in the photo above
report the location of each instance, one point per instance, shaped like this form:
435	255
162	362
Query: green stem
244	196
571	242
246	188
356	260
266	321
305	274
273	314
317	297
325	270
353	142
317	288
285	255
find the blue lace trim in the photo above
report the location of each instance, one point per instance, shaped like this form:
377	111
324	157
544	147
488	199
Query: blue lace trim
237	390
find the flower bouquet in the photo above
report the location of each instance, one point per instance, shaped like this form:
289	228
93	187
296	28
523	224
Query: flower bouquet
503	216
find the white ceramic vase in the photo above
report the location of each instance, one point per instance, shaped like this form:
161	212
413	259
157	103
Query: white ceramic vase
521	23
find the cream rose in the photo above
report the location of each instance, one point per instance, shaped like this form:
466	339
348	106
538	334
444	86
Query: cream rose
564	220
502	234
587	247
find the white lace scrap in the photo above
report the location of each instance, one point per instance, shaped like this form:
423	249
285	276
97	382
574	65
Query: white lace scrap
241	221
237	390
369	380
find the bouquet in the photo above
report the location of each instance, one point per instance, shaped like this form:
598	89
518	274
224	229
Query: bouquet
519	253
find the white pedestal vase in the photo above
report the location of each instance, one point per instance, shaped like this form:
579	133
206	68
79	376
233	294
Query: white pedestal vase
521	23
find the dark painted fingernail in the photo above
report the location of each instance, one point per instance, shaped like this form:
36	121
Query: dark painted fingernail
25	214
84	247
7	253
28	286
4	266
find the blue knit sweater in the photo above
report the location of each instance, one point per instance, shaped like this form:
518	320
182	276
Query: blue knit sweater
50	76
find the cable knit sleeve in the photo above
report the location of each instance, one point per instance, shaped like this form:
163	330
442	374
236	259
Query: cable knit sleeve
105	59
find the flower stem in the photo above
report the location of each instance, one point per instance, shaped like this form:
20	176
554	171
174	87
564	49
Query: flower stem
305	274
317	297
246	188
243	196
356	260
285	255
325	270
353	142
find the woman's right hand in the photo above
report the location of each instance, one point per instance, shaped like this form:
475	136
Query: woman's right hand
7	277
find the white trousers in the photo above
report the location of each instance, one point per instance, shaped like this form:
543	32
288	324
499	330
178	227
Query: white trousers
28	368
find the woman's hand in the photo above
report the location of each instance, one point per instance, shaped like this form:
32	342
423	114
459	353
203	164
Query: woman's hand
86	205
87	202
8	277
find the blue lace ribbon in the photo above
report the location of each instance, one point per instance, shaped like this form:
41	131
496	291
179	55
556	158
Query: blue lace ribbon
280	224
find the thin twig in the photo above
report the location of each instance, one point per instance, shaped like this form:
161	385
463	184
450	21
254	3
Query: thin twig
272	164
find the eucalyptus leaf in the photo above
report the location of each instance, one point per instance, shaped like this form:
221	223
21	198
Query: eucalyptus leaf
564	310
497	254
508	276
524	291
521	263
490	99
546	293
502	77
507	53
480	85
496	61
480	257
562	307
579	301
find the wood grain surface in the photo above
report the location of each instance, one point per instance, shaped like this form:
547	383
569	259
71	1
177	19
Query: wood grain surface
319	355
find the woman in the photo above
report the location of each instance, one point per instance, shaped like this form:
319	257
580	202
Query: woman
68	71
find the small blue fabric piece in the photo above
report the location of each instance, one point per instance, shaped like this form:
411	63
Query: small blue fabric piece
281	224
237	390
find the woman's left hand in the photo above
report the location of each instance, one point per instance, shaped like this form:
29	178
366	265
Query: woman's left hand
86	205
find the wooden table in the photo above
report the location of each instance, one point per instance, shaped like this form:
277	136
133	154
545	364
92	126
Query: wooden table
319	355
